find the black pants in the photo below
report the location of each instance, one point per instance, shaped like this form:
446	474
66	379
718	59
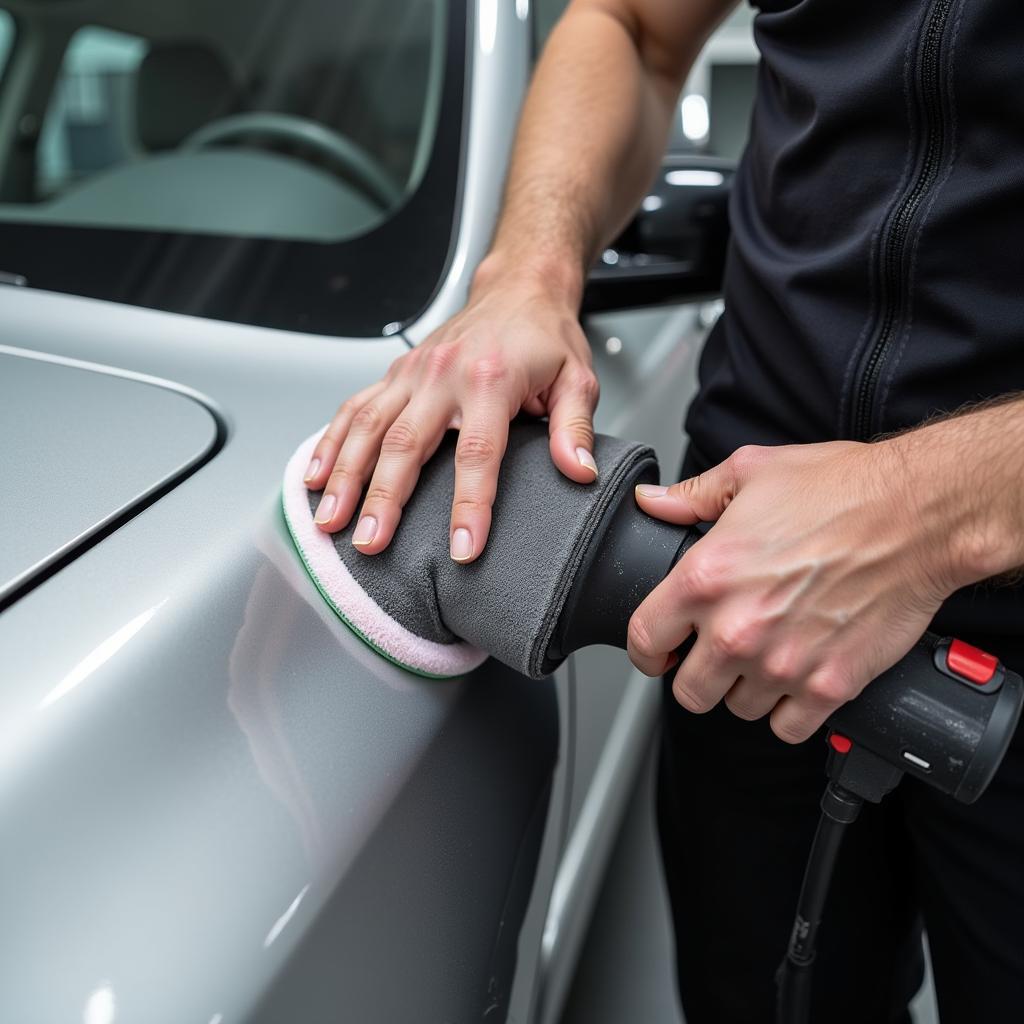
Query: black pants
737	809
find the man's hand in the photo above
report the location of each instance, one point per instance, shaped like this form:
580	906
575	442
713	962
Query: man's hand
514	347
590	138
825	566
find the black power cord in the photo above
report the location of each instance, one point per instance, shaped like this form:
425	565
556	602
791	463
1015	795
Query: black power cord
839	808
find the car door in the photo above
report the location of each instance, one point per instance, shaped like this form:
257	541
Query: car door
218	804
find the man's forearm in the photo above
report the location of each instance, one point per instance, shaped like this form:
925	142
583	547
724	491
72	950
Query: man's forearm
592	132
966	475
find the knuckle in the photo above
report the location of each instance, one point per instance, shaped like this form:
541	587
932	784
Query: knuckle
827	688
701	577
402	438
341	473
468	508
790	730
747	457
368	420
638	636
440	359
743	709
689	700
780	667
580	427
585	382
347	409
486	372
381	494
737	639
689	488
474	451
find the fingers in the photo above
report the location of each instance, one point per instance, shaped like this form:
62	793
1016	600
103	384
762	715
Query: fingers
571	407
751	699
666	617
796	718
704	677
701	498
325	454
478	453
658	626
357	457
406	445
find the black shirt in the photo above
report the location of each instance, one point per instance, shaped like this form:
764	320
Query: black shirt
875	274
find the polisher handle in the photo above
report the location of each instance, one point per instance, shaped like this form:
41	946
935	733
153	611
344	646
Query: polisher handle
945	713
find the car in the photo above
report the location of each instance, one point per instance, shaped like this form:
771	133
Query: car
218	220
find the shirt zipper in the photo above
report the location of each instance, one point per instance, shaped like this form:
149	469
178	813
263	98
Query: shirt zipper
893	272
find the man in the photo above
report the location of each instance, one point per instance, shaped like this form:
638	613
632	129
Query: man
874	281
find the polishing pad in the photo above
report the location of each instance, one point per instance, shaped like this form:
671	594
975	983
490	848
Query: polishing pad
438	618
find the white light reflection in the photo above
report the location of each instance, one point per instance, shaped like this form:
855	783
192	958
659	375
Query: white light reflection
691	176
651	203
98	655
217	1018
281	923
694	113
101	1006
522	9
488	12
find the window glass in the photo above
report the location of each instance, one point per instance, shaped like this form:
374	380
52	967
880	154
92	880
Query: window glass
88	122
302	119
289	163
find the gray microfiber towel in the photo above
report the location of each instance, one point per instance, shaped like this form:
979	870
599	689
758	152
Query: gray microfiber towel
439	618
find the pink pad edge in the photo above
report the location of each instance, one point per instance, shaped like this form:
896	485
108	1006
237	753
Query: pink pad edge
348	599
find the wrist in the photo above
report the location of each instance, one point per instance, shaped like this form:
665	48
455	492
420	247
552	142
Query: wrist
965	505
555	279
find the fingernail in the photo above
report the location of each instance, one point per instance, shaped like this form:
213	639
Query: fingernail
314	468
462	545
325	509
651	491
365	531
586	460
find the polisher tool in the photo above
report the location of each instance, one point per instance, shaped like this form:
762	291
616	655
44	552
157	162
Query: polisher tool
565	567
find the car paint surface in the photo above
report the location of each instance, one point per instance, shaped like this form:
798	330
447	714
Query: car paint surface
218	805
65	476
197	755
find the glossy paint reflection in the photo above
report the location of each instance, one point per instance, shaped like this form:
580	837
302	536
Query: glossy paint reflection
307	692
99	655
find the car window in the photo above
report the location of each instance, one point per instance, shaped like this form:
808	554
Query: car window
87	127
199	121
288	121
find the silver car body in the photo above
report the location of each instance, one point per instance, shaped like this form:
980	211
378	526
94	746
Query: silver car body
217	805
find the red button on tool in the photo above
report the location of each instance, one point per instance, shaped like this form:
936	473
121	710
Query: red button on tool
840	744
971	663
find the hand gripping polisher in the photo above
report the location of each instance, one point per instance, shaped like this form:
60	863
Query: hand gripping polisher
565	567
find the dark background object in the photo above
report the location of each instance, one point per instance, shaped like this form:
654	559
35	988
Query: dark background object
674	248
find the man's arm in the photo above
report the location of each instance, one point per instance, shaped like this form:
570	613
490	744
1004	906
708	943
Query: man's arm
591	135
828	561
593	131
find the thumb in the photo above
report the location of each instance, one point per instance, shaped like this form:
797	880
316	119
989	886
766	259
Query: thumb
698	499
571	406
